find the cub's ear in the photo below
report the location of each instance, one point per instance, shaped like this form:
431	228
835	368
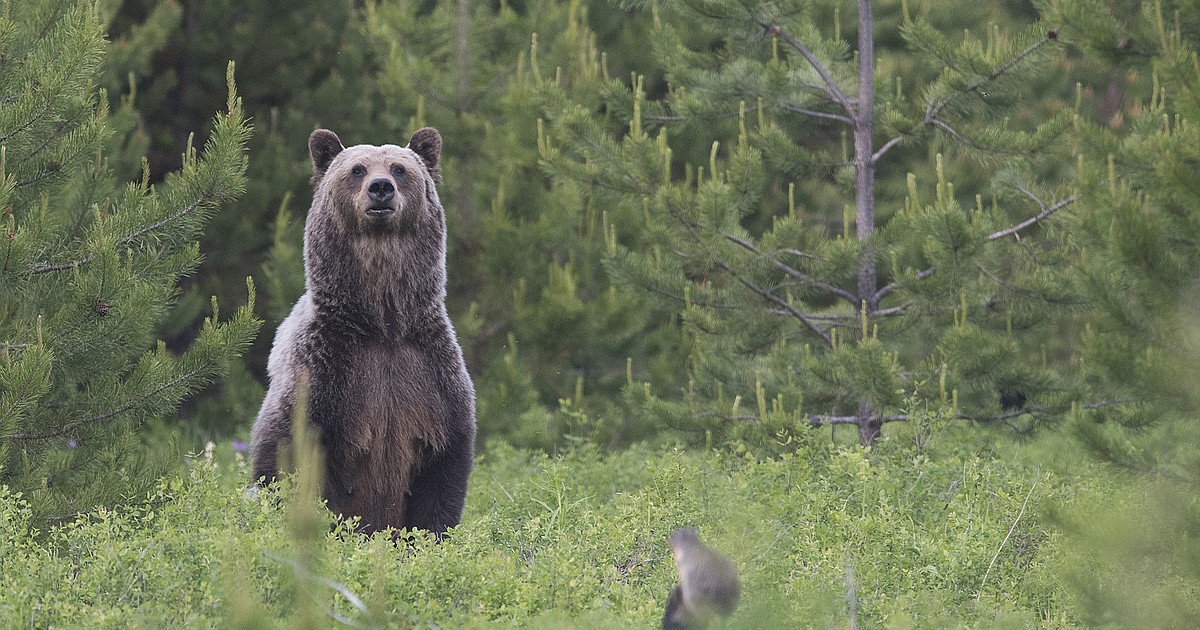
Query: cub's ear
427	143
323	146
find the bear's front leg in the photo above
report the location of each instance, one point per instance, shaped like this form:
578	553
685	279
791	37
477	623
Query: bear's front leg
271	432
439	488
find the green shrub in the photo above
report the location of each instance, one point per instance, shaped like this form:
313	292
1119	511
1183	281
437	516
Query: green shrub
575	539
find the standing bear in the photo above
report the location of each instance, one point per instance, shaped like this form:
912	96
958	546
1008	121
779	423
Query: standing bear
370	342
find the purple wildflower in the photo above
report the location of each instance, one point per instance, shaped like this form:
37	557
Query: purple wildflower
240	447
72	443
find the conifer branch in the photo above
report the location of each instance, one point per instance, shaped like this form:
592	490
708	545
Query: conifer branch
1105	403
832	88
892	286
748	110
936	106
941	124
1030	409
965	141
50	137
70	426
894	311
681	299
1025	291
679	118
28	123
800	254
1000	417
636	185
63	163
793	272
206	197
1001	281
820	89
826	420
1044	214
887	146
816	114
778	301
52	20
713	414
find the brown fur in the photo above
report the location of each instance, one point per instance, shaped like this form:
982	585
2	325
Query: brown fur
387	387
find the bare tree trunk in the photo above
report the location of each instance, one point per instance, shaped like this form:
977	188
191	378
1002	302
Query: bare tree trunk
864	190
864	160
869	423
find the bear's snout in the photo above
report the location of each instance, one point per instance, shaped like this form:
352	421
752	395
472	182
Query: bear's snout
381	192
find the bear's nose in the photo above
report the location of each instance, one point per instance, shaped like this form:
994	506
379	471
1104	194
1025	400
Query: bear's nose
381	190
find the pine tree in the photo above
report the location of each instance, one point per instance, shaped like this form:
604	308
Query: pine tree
539	321
90	268
813	292
1137	229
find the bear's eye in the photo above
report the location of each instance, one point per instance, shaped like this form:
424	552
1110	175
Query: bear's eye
358	171
397	170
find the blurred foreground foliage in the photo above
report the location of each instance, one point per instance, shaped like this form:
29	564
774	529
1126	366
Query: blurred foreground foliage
574	540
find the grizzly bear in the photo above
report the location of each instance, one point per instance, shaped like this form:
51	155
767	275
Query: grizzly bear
371	343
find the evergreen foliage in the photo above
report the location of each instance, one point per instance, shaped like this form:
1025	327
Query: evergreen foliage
1137	230
812	293
536	314
89	270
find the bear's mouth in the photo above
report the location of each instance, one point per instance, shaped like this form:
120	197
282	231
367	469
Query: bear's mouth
381	211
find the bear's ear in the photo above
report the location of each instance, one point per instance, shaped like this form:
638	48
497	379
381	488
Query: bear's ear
323	146
427	143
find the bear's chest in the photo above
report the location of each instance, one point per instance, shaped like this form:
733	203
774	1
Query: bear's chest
390	416
394	392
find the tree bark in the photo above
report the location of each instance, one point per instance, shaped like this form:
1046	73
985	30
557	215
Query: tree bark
869	423
864	192
864	160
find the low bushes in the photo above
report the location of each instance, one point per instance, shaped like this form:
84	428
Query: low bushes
886	535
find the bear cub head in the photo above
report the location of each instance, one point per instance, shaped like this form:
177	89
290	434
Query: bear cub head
379	190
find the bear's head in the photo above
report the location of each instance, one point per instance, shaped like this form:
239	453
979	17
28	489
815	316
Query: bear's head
375	237
377	189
